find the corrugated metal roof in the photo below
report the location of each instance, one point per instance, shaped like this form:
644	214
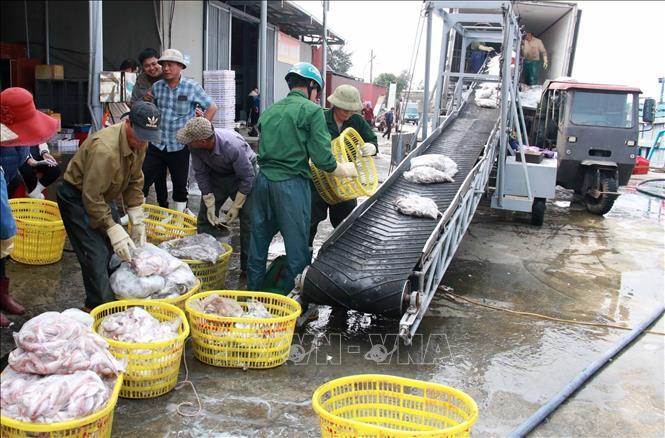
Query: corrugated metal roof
291	19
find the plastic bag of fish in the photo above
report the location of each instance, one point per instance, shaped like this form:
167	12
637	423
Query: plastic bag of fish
415	205
202	247
214	304
431	168
137	325
57	343
153	273
54	398
61	370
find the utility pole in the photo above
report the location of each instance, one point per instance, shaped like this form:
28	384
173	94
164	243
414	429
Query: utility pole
371	65
324	46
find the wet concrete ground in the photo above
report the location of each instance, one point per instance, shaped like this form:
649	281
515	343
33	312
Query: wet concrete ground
576	266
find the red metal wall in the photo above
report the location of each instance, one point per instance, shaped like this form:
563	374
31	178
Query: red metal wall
368	92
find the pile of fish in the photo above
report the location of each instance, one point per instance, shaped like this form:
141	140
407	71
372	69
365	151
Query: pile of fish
488	93
136	325
426	169
61	370
415	205
431	168
153	273
218	305
201	247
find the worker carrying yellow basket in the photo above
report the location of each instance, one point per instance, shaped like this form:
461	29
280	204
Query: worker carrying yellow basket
354	141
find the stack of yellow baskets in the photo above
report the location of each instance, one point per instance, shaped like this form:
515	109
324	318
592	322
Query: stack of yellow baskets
212	275
40	236
333	189
376	405
94	425
152	368
163	224
244	342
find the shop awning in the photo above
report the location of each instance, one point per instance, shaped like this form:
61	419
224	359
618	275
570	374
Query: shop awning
291	19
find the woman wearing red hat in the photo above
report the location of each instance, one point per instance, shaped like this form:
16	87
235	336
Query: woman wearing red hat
22	124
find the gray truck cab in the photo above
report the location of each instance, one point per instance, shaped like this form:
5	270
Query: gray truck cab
594	129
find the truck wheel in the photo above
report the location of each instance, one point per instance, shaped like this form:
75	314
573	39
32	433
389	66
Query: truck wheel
604	202
538	211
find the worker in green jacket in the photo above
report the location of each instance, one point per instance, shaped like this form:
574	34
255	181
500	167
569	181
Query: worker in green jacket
346	106
292	131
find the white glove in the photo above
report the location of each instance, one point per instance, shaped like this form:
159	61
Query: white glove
234	211
345	170
368	149
136	217
545	61
121	242
209	201
6	246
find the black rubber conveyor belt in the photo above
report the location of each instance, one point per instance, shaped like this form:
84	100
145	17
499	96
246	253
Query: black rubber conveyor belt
368	266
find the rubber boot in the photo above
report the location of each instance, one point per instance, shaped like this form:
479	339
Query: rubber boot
37	192
4	321
7	302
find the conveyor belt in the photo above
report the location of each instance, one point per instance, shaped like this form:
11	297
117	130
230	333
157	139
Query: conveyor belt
367	267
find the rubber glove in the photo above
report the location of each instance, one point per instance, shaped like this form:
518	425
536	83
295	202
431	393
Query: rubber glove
368	149
136	217
209	201
545	61
345	170
6	247
121	242
234	211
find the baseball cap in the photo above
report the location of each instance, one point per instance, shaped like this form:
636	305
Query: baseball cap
198	128
145	118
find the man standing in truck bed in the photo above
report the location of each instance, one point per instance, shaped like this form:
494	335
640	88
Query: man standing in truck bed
532	48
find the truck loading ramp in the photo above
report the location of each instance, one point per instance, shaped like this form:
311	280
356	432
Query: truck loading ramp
366	264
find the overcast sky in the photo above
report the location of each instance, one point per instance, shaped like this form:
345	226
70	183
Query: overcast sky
619	42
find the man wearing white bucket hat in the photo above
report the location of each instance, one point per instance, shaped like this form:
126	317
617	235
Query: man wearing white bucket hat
177	98
344	113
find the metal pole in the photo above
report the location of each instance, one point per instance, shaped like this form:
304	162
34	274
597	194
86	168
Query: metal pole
442	65
504	129
371	68
324	63
47	43
27	31
263	66
428	59
96	62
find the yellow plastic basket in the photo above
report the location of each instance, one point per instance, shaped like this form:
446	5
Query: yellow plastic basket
96	425
375	405
212	275
244	342
346	148
179	302
40	235
163	224
152	368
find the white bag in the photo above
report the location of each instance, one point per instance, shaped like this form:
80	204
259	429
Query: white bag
419	206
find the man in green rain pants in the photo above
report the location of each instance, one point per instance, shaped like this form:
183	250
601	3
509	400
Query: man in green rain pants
292	131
